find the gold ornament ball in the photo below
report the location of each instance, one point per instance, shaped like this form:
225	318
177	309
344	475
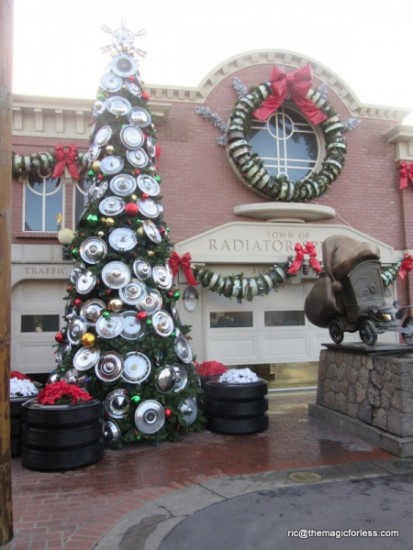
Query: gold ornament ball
134	197
96	166
115	304
151	253
101	234
110	149
140	232
88	340
110	222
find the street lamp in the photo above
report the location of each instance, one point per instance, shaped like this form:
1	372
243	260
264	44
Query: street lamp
190	298
65	236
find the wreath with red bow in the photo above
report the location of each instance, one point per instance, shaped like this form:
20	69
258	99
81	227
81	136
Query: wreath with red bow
259	103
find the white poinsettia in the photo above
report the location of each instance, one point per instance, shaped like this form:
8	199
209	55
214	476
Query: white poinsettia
22	387
238	376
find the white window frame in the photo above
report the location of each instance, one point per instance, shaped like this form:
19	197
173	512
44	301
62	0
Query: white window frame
44	196
280	161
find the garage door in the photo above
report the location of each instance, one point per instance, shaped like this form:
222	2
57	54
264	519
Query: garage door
36	316
270	329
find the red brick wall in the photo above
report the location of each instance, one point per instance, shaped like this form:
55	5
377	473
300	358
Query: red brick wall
200	189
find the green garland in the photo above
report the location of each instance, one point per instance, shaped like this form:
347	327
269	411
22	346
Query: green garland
240	287
41	164
246	288
389	275
249	166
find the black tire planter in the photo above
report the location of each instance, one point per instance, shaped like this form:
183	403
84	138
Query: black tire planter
236	408
61	415
61	437
237	426
15	423
64	459
57	438
235	392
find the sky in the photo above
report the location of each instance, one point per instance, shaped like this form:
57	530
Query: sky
57	44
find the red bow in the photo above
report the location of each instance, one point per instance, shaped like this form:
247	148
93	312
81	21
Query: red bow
300	251
175	262
406	266
406	174
66	157
297	85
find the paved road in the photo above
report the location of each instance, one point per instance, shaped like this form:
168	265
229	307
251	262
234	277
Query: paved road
345	507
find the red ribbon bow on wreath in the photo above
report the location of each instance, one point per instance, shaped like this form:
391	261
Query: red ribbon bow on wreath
296	85
406	174
176	261
406	266
66	157
300	251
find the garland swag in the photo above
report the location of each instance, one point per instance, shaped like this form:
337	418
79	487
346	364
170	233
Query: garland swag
246	288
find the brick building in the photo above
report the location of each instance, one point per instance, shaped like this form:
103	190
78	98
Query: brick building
225	225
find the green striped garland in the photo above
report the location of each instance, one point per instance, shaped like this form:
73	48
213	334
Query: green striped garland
240	287
246	288
40	164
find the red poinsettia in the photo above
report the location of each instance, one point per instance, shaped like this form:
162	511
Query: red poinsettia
19	375
210	368
62	393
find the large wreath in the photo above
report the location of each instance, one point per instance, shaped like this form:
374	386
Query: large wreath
249	166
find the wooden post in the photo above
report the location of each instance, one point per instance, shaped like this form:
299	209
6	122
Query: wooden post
6	26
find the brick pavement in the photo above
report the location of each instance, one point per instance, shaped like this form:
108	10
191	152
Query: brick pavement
71	510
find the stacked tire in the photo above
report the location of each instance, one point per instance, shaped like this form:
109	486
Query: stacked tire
61	437
15	423
236	408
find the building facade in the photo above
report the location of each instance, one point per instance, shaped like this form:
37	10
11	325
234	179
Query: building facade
216	212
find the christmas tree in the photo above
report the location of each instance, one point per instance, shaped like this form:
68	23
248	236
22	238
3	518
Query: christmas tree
123	339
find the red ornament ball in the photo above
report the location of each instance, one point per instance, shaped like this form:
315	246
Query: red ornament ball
145	96
142	315
131	209
59	337
168	413
77	302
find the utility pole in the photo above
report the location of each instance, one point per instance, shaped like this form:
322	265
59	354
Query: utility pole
6	33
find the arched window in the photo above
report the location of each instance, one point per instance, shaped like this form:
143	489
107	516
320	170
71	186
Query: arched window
43	204
287	143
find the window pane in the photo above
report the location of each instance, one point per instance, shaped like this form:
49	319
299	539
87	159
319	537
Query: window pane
33	211
51	185
43	204
283	318
230	319
39	323
262	143
53	209
286	143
